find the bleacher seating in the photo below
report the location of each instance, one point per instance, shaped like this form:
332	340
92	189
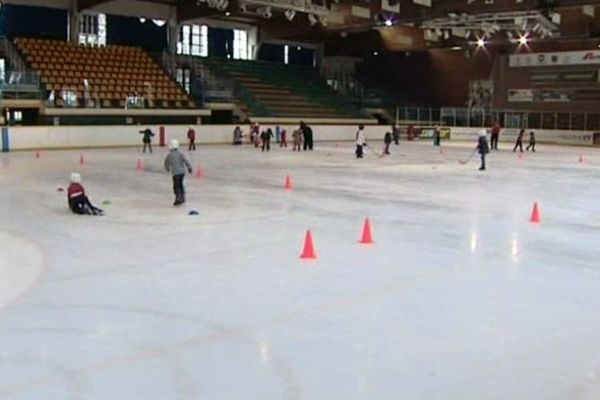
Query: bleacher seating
276	90
102	76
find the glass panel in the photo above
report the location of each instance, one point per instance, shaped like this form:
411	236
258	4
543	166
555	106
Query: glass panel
578	122
593	122
534	121
563	121
548	120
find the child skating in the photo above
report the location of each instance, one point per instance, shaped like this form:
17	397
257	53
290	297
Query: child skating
297	136
531	141
266	137
283	138
360	141
387	140
519	142
483	148
176	164
147	139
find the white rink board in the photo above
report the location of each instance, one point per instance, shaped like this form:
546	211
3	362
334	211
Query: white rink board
57	137
580	138
48	137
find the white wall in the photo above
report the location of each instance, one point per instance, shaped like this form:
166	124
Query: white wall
22	138
581	138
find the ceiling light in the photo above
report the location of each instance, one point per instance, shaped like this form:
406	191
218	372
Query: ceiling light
523	39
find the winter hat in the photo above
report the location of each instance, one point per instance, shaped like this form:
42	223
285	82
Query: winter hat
76	177
174	144
482	133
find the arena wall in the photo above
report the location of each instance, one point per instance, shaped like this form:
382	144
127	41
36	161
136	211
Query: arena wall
62	137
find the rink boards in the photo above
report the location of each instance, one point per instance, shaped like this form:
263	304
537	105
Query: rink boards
64	137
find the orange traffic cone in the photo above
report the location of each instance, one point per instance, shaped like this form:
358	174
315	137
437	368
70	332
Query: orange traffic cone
309	248
367	236
140	165
81	160
288	183
199	173
535	214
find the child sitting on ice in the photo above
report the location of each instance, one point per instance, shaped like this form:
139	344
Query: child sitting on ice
78	201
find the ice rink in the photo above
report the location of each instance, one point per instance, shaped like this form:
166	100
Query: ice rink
461	297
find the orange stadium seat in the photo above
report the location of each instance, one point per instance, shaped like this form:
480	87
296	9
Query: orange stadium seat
112	73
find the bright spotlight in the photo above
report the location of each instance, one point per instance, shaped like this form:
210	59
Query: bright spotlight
480	42
388	23
523	40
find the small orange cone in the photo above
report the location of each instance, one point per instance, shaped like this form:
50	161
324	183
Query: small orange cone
140	165
199	173
535	214
367	236
288	183
37	154
309	248
81	160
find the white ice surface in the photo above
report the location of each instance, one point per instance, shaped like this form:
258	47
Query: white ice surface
460	298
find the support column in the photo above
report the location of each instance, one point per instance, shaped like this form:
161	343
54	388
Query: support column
319	56
172	30
74	17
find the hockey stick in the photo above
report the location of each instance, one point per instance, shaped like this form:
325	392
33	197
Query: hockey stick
464	162
373	151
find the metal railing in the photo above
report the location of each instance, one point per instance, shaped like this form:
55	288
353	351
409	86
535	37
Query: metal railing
20	85
204	85
464	117
8	50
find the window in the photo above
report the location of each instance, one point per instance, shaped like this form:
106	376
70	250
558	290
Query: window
2	70
240	44
193	40
18	116
92	29
183	78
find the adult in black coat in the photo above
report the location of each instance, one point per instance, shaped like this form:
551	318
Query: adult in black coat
308	136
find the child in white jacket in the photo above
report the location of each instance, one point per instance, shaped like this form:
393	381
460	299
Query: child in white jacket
360	141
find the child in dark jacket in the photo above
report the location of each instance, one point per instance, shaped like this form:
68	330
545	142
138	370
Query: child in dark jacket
531	141
265	137
519	142
147	139
387	139
483	148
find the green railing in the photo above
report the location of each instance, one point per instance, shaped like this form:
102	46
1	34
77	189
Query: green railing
463	117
